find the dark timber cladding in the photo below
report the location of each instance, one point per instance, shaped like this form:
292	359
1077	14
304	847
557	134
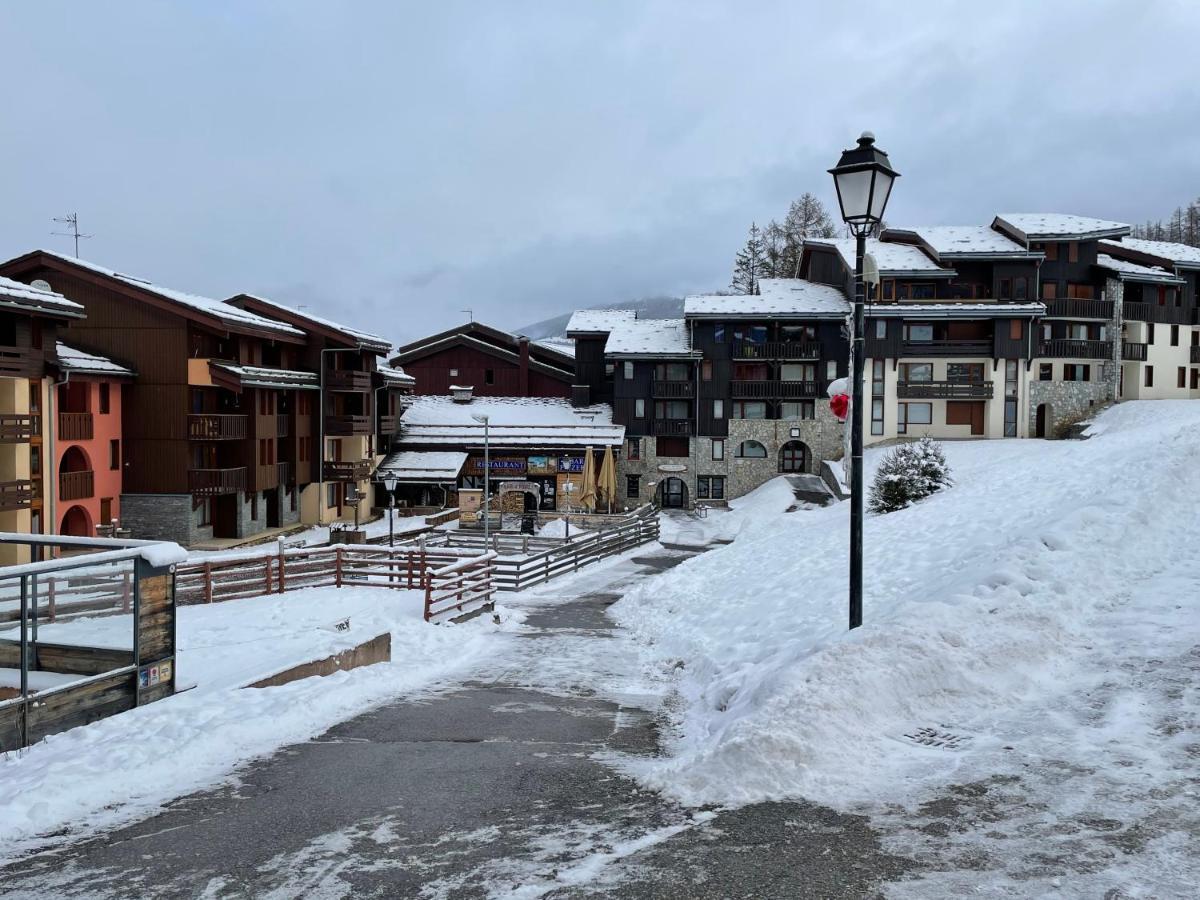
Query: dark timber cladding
493	362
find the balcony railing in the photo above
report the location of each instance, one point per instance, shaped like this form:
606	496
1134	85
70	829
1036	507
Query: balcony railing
947	348
1070	348
282	426
346	426
1195	349
15	495
347	380
285	472
776	350
667	427
1153	312
74	426
945	390
767	390
205	427
209	482
1133	352
1071	308
76	485
16	427
672	390
389	424
22	362
354	470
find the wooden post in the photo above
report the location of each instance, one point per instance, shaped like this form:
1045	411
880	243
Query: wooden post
282	571
410	569
267	575
337	567
208	582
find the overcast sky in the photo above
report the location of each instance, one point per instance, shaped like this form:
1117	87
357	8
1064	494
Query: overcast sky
392	164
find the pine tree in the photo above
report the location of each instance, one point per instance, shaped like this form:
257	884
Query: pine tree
774	246
748	266
806	218
909	473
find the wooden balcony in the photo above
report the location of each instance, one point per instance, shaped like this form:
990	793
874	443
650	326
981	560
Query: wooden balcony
209	482
76	485
346	380
389	424
16	428
673	390
948	348
945	390
205	427
776	350
354	470
15	495
1070	308
347	426
770	390
668	427
22	362
1132	352
1069	348
1153	312
75	426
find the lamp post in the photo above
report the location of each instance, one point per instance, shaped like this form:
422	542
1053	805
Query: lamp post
389	483
864	178
487	476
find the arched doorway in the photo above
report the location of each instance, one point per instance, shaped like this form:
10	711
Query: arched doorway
76	522
672	493
74	460
1043	421
794	456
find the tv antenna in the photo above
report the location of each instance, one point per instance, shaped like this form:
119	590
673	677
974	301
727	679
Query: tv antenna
72	222
470	314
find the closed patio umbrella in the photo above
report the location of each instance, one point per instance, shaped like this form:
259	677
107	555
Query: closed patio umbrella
587	494
607	481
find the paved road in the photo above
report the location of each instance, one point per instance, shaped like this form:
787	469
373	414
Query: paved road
495	788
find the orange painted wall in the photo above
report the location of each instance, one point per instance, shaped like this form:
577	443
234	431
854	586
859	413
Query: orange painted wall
106	427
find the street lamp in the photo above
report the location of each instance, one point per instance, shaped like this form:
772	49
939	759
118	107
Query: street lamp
487	473
864	178
389	483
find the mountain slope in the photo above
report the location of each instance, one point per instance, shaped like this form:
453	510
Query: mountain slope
647	307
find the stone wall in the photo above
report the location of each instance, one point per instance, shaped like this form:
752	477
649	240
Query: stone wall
162	517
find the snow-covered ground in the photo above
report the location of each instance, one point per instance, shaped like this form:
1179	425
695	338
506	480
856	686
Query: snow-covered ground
1038	622
316	536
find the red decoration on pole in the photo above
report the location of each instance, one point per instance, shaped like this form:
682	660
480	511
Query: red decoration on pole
839	404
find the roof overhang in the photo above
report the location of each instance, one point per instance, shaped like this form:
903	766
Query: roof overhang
297	319
234	377
955	311
1025	238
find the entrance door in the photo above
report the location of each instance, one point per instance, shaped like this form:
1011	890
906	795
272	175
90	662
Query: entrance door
674	494
1043	416
272	498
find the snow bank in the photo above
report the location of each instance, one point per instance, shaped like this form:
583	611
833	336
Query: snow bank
977	600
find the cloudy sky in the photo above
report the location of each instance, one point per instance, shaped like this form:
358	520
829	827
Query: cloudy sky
395	163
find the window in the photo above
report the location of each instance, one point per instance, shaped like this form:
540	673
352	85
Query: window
917	332
671	409
1006	288
35	461
453	374
749	409
1051	251
1150	333
719	333
671	446
718	409
916	372
964	372
1073	252
831	370
633	448
706	370
877	376
254	505
1076	372
1046	372
104	399
262	452
798	372
627	370
114	454
1181	381
798	409
1011	373
1049	290
489	376
672	372
633	486
881	328
1081	292
751	450
1020	288
877	416
106	515
1016	329
639	408
197	401
332	498
1149	376
710	487
1174	335
718	448
204	508
922	292
913	414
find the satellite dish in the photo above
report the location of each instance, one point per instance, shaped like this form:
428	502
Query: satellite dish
870	270
41	284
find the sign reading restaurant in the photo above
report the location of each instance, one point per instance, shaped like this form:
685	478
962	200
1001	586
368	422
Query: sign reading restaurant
509	465
534	465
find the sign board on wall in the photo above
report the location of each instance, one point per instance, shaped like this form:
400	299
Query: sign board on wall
503	465
542	465
570	464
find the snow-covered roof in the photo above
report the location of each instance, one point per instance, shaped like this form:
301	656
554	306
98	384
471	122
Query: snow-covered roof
1058	226
1184	256
396	376
260	376
956	310
892	259
365	339
1128	271
15	295
512	422
565	346
422	465
230	315
792	297
649	337
84	363
965	241
598	321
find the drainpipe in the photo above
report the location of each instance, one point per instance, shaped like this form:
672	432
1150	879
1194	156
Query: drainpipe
51	466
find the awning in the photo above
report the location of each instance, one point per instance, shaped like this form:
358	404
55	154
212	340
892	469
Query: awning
235	377
422	466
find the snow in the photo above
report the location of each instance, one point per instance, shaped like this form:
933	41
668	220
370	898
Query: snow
891	258
649	337
126	766
565	346
260	376
1133	272
163	553
422	465
38	681
513	421
951	241
1042	610
367	340
73	360
777	296
599	320
957	310
24	296
1048	226
396	376
1182	255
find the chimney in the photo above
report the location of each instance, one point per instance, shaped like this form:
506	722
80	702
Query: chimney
461	393
523	344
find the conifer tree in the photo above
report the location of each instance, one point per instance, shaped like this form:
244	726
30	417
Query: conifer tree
748	266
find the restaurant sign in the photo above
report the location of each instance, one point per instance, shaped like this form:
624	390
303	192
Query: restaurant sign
503	465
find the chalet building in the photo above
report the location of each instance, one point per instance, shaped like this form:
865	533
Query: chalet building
492	363
31	318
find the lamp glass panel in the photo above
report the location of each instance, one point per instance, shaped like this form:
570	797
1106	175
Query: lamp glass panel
854	193
883	187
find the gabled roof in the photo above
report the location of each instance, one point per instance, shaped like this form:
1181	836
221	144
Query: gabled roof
512	422
1130	271
15	295
894	260
237	377
214	313
956	310
81	362
777	297
422	466
649	337
307	322
394	376
951	242
1182	256
598	321
501	344
1026	227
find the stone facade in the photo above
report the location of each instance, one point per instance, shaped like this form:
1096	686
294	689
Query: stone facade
173	517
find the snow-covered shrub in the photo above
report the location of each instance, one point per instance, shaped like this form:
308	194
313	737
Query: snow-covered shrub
909	473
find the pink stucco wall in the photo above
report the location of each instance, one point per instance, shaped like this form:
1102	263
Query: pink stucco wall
106	427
